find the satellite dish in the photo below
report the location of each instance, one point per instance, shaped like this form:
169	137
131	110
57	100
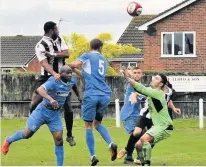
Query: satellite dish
151	31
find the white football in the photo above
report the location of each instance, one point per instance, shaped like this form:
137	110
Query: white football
134	9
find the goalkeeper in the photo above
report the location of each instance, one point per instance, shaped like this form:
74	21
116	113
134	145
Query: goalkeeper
163	124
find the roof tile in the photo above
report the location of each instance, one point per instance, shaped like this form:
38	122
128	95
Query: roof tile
17	50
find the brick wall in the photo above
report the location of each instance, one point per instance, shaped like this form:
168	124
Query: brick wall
191	18
33	66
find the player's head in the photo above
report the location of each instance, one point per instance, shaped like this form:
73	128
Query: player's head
96	45
50	28
137	74
66	73
158	81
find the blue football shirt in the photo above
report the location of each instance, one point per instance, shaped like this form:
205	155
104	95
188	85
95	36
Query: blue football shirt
128	109
94	70
58	90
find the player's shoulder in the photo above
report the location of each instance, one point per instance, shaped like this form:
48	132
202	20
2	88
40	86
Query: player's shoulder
51	79
158	93
61	38
170	91
85	55
39	44
102	57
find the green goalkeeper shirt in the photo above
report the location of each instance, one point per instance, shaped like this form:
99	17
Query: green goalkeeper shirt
157	105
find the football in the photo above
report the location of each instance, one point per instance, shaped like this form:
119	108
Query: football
134	9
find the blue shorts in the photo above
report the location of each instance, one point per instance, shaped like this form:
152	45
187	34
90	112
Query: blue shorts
129	124
41	115
94	107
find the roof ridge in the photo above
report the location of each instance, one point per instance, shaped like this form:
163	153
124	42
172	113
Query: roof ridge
170	9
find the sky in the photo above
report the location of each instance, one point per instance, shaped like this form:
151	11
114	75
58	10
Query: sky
88	17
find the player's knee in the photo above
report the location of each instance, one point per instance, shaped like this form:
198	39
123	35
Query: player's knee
27	134
59	141
137	132
88	125
138	145
96	124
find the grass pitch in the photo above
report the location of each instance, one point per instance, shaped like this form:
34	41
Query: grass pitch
185	147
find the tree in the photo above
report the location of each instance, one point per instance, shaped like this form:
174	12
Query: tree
78	44
105	37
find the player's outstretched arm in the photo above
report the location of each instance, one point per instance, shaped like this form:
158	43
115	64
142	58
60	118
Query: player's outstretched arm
64	53
48	68
75	64
40	53
147	91
78	72
172	106
41	90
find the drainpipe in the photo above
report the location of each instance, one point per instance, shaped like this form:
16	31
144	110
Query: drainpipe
22	66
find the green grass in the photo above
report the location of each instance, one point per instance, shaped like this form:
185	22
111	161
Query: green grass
186	146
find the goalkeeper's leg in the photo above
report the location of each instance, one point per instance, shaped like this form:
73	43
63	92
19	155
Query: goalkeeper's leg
144	149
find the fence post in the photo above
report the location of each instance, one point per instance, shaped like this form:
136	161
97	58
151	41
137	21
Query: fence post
117	113
201	115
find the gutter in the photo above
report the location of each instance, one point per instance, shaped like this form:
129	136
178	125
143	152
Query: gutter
23	67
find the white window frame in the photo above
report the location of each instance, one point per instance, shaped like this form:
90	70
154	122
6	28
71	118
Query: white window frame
184	55
4	69
129	63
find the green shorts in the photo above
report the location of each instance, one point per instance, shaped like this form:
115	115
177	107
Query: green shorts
160	132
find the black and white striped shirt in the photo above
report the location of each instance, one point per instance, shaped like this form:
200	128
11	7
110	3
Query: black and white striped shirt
145	106
48	44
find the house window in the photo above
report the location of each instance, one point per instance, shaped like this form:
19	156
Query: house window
178	44
129	64
6	70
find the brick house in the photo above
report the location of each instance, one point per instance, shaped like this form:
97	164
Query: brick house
175	40
18	52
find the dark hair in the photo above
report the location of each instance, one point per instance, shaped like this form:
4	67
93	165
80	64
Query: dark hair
136	68
96	44
164	79
49	26
169	84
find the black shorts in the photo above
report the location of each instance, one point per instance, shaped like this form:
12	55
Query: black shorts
143	122
42	79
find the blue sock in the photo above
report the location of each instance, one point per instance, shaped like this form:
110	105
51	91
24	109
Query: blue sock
59	151
104	133
17	136
90	141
